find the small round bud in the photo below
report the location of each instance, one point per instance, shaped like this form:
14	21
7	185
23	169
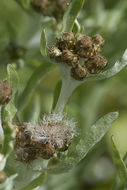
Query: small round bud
66	41
69	58
79	72
98	40
5	92
84	46
84	41
2	176
95	64
54	52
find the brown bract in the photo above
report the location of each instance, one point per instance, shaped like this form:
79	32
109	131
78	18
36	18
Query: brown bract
5	92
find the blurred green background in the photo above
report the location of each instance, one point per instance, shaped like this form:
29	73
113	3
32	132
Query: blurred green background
20	30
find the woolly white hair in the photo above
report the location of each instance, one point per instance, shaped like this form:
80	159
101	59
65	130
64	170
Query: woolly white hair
54	129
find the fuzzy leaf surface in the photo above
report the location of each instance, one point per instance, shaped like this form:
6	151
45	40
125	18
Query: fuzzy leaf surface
85	144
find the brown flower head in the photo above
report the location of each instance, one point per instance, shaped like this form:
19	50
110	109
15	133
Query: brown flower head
69	58
74	50
66	41
54	52
95	64
78	72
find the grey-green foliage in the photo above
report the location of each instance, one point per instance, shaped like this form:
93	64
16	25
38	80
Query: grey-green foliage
120	164
85	143
26	177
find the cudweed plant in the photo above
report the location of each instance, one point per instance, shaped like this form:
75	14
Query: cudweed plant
53	145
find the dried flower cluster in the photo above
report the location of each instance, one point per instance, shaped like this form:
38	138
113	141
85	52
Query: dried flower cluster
5	92
53	133
81	53
54	8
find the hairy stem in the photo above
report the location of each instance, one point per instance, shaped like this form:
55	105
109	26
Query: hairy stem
68	86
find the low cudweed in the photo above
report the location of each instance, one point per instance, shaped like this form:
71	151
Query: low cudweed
81	53
52	134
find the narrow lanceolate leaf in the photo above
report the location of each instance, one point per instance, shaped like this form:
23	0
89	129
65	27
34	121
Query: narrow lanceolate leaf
117	67
119	163
56	94
12	77
71	14
85	144
36	182
43	43
10	109
37	75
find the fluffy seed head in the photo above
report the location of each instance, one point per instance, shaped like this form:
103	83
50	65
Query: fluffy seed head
5	92
95	64
53	133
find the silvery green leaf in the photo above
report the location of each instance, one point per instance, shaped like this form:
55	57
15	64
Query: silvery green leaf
116	68
85	144
36	182
2	161
27	173
1	129
43	43
10	109
33	81
71	14
8	183
119	163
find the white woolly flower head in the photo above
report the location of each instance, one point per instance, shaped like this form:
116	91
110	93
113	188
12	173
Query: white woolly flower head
53	133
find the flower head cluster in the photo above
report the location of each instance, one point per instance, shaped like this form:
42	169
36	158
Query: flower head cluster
53	133
5	92
81	53
54	8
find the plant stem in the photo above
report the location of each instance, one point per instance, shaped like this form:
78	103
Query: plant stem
68	86
1	128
